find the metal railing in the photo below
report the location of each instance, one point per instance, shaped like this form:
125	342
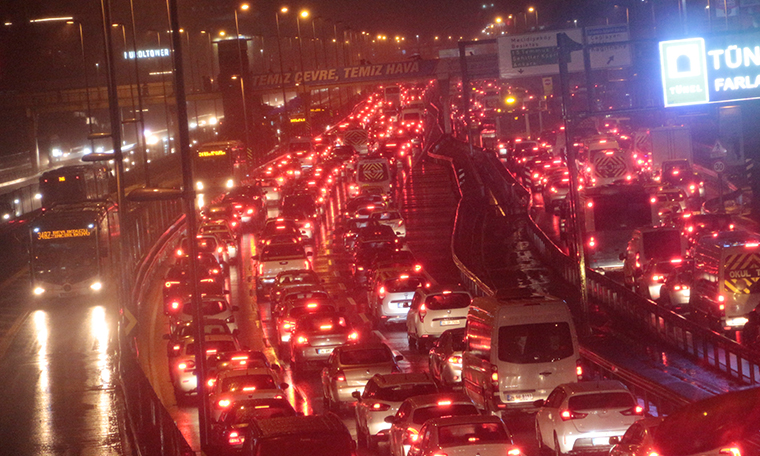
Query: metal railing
656	399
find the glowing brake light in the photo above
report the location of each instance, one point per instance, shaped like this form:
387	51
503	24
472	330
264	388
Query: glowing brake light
312	305
224	403
592	242
455	359
567	415
353	336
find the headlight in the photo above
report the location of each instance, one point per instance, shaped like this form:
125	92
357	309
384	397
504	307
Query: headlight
199	185
39	290
230	183
96	286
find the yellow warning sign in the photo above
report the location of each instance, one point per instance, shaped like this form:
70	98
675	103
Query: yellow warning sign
742	273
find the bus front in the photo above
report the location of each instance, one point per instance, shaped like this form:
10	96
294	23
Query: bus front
213	170
65	259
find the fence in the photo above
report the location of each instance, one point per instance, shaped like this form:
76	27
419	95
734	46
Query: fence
511	198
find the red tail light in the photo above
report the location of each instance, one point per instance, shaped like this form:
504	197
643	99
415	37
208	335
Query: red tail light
353	336
514	452
411	436
568	415
423	312
455	359
186	365
579	369
731	451
340	376
380	407
224	403
234	438
302	340
637	410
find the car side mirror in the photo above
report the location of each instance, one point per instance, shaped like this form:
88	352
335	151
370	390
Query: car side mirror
357	395
539	403
390	419
614	440
284	385
276	367
399	357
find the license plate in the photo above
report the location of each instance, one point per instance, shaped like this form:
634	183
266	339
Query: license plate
449	322
600	441
404	305
324	351
520	397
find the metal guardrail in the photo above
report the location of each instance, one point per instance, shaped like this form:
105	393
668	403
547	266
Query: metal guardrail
656	399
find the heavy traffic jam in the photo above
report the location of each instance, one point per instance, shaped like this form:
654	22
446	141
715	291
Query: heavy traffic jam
316	242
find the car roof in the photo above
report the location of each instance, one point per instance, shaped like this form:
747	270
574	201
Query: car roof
400	378
283	426
247	371
594	387
438	289
433	399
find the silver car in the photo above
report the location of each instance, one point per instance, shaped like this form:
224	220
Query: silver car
316	335
182	367
445	358
480	435
583	416
350	367
382	396
390	295
433	311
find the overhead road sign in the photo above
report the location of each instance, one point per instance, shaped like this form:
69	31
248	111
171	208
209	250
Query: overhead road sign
711	69
536	54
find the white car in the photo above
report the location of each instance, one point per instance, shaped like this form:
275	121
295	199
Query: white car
182	367
233	385
481	435
433	311
382	396
392	219
415	411
583	416
214	307
390	295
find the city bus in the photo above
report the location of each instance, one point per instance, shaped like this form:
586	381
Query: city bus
75	184
219	166
72	249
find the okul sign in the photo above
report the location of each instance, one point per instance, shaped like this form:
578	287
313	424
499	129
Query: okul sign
709	70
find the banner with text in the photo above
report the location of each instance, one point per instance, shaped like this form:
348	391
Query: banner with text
355	74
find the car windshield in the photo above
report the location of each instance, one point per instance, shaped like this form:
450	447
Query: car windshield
399	393
446	301
663	244
213	347
601	401
535	343
282	250
403	284
260	409
322	324
209	307
437	411
316	444
248	383
472	434
365	356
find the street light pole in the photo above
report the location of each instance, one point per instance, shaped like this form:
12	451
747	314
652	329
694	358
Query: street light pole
244	7
283	122
303	14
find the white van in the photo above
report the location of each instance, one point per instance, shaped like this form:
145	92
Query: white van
517	351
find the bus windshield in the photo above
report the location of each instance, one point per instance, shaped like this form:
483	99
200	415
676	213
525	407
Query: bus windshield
70	257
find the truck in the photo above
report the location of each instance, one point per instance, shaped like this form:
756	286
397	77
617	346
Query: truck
358	138
663	144
609	216
373	176
602	161
726	286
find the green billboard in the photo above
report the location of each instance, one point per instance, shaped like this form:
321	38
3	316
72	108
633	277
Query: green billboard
683	66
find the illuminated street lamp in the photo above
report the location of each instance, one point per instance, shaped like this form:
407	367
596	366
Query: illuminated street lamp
535	11
303	14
